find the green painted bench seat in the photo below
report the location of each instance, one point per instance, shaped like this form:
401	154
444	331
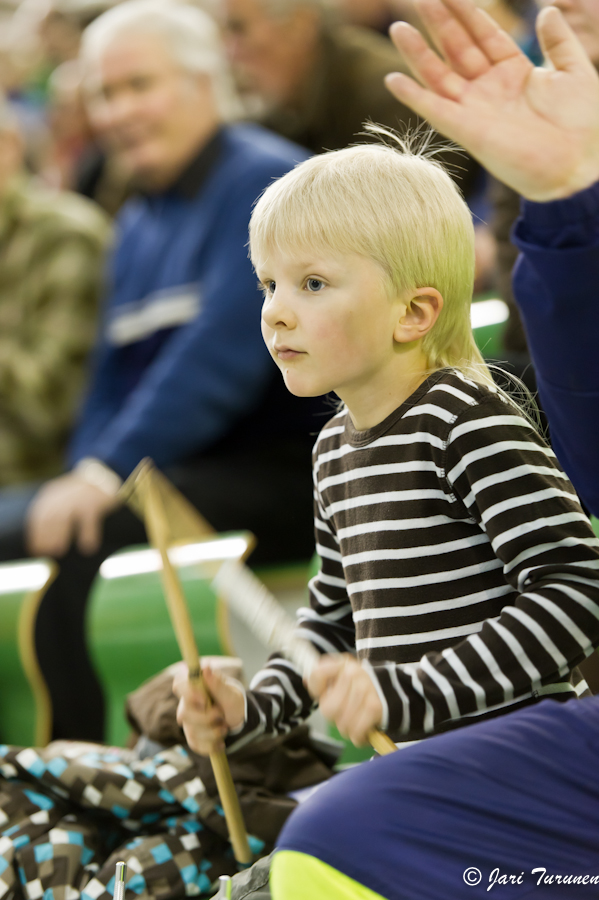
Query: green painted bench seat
129	633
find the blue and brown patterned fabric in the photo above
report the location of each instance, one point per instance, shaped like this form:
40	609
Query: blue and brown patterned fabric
70	811
92	806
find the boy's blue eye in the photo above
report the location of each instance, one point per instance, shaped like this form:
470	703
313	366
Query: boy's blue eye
267	287
314	284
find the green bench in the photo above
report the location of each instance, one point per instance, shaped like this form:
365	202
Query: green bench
129	633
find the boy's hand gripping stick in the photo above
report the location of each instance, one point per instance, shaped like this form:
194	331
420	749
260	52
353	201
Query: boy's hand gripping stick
256	606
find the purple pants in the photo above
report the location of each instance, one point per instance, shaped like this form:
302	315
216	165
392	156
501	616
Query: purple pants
470	813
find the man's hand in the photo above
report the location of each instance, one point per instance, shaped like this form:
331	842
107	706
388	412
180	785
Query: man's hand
67	509
346	696
205	729
536	129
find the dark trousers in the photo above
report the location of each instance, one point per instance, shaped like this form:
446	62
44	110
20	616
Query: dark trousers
266	490
473	811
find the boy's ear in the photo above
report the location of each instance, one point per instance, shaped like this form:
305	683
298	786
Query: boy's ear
420	312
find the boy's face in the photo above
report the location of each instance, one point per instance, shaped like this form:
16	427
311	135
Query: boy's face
328	321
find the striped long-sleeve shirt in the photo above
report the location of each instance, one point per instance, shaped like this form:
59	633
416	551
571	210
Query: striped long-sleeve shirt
456	562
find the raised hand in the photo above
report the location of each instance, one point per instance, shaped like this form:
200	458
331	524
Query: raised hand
536	129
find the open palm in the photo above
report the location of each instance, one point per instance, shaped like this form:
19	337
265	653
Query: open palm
536	129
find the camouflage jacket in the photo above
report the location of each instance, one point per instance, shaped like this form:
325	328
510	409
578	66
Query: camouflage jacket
51	258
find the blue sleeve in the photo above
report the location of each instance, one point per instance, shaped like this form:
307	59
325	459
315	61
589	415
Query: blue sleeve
209	373
556	285
102	398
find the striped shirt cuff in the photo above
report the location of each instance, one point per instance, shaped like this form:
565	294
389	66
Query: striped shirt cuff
384	723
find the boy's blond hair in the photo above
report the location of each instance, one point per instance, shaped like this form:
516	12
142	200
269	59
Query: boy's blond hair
394	206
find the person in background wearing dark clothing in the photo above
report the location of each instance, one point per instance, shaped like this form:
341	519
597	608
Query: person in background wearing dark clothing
316	81
181	373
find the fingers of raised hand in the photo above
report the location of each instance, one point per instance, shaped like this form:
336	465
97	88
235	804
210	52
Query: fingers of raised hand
492	41
424	62
453	39
559	43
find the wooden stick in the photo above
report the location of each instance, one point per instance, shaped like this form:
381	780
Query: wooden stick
247	594
157	528
267	620
381	742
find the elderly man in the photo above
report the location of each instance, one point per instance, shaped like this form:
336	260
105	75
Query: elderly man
181	373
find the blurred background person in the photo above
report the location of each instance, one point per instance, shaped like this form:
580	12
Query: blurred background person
306	74
39	49
68	126
51	260
181	373
75	157
375	14
311	78
38	37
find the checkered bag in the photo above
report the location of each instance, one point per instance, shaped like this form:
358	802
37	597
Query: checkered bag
68	812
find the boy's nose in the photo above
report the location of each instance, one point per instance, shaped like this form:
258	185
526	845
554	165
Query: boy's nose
277	313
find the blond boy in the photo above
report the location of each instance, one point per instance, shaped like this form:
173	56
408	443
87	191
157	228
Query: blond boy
458	573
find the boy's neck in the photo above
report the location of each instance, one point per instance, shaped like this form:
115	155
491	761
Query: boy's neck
375	401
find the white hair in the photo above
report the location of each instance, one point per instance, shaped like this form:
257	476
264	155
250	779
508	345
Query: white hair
189	35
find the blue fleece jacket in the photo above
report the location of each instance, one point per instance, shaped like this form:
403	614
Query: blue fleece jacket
556	284
181	360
